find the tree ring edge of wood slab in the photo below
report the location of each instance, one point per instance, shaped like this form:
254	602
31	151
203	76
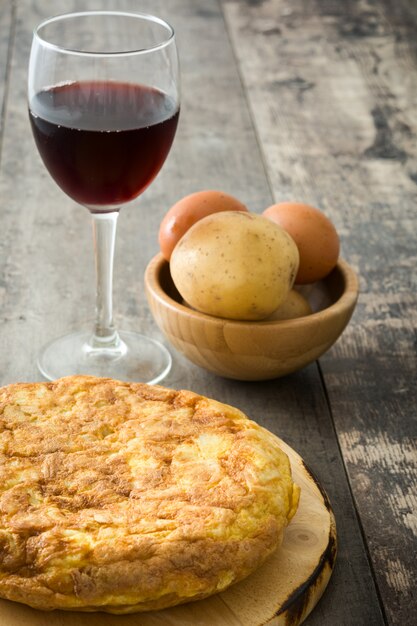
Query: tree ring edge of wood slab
301	588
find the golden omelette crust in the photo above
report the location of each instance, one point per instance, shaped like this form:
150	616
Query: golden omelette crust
126	497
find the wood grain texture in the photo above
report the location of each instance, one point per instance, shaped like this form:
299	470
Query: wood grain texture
333	92
6	37
281	593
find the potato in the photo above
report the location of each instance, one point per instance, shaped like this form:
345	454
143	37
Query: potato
295	305
235	265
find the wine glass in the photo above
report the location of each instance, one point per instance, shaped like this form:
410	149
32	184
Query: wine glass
104	102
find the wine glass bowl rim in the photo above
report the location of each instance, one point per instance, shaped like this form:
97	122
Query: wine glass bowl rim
105	53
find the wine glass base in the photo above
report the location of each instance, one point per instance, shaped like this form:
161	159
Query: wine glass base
137	359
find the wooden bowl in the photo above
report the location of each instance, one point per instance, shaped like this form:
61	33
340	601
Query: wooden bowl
253	350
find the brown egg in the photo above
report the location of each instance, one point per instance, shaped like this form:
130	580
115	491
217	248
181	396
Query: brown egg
316	238
186	212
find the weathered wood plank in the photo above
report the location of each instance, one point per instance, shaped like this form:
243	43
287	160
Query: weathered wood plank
48	268
6	35
333	91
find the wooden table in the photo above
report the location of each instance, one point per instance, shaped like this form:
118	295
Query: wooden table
282	99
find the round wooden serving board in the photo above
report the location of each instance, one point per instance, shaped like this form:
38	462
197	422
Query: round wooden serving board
281	593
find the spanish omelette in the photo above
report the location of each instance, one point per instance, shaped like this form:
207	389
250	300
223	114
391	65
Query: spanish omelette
124	497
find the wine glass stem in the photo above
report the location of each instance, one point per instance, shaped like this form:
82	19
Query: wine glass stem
104	235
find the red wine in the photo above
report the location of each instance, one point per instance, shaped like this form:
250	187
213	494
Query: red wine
103	142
